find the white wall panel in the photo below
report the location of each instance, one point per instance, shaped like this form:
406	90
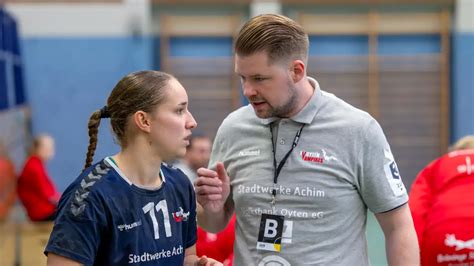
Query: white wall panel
130	17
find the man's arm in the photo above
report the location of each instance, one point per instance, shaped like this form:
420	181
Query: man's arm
401	243
215	222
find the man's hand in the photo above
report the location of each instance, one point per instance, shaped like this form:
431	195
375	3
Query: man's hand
212	188
205	261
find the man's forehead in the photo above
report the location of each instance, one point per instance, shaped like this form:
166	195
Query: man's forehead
259	56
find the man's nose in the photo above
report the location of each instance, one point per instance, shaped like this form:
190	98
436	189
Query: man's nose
248	89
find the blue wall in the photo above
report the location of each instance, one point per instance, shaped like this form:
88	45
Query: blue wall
66	80
201	46
338	45
462	97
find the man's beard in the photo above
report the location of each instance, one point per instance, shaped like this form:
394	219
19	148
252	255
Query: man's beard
284	110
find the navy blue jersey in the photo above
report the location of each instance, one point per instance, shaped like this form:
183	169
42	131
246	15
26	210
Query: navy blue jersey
104	219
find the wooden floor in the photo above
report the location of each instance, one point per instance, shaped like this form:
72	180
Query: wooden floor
7	244
23	244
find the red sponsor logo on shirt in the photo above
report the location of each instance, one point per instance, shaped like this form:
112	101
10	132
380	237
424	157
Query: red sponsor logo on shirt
180	215
314	157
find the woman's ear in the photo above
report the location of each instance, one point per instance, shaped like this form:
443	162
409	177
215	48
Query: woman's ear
298	70
142	121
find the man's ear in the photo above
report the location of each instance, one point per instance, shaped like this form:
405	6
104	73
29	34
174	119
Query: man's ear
142	121
298	70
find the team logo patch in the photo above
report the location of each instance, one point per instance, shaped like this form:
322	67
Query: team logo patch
393	175
394	170
180	215
317	157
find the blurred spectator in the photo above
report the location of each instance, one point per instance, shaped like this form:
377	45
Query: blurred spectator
35	188
7	183
218	246
197	155
442	206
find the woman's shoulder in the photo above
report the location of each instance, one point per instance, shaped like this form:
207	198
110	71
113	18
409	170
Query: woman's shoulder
95	173
87	188
91	179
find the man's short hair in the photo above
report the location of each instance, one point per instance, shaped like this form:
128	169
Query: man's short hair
280	37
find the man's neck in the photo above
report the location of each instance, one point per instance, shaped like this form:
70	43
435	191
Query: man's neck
305	91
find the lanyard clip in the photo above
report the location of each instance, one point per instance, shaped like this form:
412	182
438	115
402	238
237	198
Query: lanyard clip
273	205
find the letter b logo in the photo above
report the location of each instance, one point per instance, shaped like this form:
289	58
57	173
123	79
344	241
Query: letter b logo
270	228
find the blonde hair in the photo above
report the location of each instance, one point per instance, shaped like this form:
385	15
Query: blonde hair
464	143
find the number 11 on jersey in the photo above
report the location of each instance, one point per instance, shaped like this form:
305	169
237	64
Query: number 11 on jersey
163	207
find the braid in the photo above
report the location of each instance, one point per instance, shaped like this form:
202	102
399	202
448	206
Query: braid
94	123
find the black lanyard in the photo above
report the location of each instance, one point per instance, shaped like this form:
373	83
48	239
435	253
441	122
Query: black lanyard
283	161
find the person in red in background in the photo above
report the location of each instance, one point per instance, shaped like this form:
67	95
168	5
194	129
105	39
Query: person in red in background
442	206
7	183
35	188
219	246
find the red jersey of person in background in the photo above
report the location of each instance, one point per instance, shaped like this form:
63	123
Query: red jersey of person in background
36	190
218	246
442	206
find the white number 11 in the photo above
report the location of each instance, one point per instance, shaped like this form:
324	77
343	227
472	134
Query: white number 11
150	207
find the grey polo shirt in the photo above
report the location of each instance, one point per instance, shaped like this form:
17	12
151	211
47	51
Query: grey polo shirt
341	166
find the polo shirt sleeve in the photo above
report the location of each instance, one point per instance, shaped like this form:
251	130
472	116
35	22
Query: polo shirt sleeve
217	152
380	182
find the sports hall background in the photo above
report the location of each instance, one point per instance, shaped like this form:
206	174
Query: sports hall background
410	63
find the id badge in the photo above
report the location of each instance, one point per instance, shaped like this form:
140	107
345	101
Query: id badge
270	232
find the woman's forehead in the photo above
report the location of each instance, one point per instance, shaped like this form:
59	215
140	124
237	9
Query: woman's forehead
175	92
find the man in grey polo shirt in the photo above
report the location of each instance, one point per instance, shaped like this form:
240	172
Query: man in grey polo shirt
298	165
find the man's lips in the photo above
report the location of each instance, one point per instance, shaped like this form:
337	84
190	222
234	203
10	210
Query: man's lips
258	103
